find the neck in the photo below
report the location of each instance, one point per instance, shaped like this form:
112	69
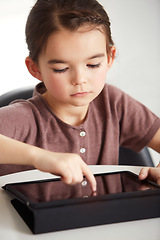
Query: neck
74	118
72	115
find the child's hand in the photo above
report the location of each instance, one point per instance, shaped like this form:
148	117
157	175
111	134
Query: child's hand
69	166
150	172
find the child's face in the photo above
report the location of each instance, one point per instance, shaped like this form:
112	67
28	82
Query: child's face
74	67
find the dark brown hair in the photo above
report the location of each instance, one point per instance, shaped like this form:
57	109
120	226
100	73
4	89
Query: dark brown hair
49	16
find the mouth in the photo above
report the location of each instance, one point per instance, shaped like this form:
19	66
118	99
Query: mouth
80	94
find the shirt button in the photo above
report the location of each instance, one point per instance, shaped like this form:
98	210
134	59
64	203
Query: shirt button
84	183
82	150
82	134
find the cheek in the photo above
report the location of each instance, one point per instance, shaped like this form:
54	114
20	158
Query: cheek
100	78
52	83
56	85
103	75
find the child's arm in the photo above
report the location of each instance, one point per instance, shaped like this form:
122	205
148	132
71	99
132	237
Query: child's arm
67	165
155	142
153	173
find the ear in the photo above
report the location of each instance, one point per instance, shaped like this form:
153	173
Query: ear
111	56
33	68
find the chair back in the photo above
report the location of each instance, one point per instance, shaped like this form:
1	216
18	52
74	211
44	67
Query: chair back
21	93
130	157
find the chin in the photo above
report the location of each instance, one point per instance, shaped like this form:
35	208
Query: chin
82	104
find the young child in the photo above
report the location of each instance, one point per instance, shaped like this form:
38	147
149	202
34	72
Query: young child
74	114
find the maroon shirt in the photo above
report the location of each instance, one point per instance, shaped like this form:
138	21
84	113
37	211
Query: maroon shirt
113	119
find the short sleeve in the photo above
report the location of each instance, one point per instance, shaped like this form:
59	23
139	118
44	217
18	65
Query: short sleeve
17	121
138	124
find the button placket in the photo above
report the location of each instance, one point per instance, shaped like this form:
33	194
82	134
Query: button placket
82	135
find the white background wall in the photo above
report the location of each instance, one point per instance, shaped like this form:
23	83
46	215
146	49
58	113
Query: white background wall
136	33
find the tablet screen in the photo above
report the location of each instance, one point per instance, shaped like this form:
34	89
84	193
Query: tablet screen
55	189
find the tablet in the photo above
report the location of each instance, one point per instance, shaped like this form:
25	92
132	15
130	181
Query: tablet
53	205
54	192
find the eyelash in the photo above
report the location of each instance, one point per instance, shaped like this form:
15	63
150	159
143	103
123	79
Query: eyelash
93	65
65	69
60	70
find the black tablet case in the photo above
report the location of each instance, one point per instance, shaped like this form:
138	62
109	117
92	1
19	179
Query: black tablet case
109	209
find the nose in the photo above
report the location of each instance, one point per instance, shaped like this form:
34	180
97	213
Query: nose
78	78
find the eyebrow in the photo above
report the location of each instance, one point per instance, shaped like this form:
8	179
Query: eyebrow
100	55
56	61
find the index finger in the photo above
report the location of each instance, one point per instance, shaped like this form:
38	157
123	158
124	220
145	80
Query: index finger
90	177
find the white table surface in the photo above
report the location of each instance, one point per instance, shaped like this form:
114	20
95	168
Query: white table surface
12	227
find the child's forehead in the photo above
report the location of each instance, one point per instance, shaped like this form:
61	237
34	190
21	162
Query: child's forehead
85	33
84	39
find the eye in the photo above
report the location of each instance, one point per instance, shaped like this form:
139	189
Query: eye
93	65
60	70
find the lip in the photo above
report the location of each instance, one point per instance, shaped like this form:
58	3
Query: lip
80	94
